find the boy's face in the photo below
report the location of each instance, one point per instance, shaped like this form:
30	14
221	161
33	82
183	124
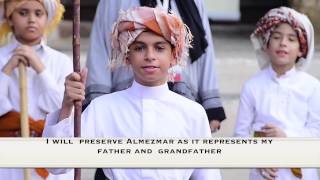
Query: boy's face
28	22
150	56
284	47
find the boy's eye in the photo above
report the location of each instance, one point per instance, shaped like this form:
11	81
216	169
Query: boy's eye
292	38
39	13
23	12
139	48
275	37
159	48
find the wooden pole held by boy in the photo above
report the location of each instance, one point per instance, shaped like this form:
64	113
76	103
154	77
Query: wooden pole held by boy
24	123
76	68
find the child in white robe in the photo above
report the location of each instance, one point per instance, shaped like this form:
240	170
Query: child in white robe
281	100
23	25
148	108
197	80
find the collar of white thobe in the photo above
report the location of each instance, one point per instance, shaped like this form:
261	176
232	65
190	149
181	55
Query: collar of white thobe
14	43
147	92
285	76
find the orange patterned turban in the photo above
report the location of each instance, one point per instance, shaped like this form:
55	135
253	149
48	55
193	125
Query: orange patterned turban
134	21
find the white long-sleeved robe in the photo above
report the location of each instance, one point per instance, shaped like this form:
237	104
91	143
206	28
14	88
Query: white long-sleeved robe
291	102
45	93
141	112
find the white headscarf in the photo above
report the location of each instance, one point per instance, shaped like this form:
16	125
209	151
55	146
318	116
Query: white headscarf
268	22
50	6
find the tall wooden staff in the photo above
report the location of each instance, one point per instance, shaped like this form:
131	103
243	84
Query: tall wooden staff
76	68
24	123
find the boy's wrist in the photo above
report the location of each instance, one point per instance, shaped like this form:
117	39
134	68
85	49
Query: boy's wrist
7	69
37	65
66	110
39	68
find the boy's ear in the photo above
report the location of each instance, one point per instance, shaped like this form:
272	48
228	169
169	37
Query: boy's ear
265	47
300	54
173	60
10	22
127	61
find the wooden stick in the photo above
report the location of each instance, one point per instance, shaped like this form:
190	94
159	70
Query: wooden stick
24	123
76	68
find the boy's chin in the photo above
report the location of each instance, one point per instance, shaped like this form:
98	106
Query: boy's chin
281	62
31	40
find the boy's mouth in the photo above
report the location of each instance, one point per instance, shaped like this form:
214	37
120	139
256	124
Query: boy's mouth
281	53
150	69
31	28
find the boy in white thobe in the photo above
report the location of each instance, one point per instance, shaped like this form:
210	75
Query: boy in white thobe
29	21
281	100
197	80
148	108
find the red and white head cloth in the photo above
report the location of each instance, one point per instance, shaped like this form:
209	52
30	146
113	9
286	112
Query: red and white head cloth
298	21
134	21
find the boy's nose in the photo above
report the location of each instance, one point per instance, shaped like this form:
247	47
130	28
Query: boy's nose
150	56
283	41
32	18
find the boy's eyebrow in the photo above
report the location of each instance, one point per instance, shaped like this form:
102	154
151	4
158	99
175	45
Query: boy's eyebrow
158	42
290	34
22	9
27	9
138	42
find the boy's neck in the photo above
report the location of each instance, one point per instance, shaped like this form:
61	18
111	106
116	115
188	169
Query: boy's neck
150	85
30	43
281	70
